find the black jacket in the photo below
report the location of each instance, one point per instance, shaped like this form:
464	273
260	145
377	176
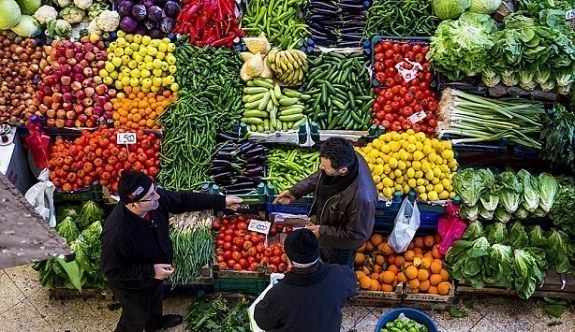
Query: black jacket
131	245
347	218
307	302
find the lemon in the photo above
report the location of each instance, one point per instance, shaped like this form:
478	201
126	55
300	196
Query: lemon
419	174
376	179
445	183
392	162
428	187
420	137
429	175
447	154
379	160
395	136
411	139
385	148
387	182
406	188
387	192
418	155
379	186
378	170
426	149
386	169
432	196
370	160
435	181
438	160
418	146
436	172
373	153
410	173
420	182
387	136
398	187
397	173
423	196
391	175
403	155
416	165
425	166
399	180
401	165
420	189
451	195
438	187
411	183
444	195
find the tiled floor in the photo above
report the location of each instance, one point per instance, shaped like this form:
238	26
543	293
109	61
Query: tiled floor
25	306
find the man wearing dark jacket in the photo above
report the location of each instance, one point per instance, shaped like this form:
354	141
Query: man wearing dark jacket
137	251
345	199
310	297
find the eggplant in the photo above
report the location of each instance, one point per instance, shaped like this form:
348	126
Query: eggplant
222	175
223	163
253	171
219	169
351	36
349	43
247	145
223	137
256	159
329	12
255	151
241	185
313	6
351	6
224	155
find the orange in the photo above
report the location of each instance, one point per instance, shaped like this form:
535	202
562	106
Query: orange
361	249
380	260
443	288
385	248
376	239
409	255
418	251
359	274
388	277
432	290
366	270
435	279
393	268
374	285
436	267
401	277
386	288
429	241
422	274
391	259
374	276
369	246
424	285
426	263
377	268
444	275
399	260
418	241
435	252
414	283
411	272
359	258
365	282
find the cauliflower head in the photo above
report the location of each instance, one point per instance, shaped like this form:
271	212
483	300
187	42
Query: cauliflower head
72	14
45	14
83	4
108	21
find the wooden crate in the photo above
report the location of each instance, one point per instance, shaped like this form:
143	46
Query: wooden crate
427	301
377	299
85	293
207	277
555	286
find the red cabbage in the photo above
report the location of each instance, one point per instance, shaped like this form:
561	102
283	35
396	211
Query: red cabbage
155	14
172	8
156	34
141	30
167	25
149	24
125	8
128	24
159	2
148	3
139	12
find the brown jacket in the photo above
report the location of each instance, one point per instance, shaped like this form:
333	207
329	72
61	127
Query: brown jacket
347	218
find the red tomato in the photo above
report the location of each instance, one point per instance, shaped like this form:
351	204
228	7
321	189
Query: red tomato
253	266
237	267
247	244
236	256
223	265
238	241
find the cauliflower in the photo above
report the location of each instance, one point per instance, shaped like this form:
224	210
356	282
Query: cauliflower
93	28
83	4
45	14
96	9
108	21
72	14
64	3
59	29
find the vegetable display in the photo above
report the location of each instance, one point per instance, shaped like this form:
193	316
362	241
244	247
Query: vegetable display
480	119
558	138
403	324
282	21
208	104
340	90
411	161
404	19
154	18
217	314
404	98
238	167
336	23
71	94
20	65
95	156
209	23
562	210
140	61
379	268
287	167
268	108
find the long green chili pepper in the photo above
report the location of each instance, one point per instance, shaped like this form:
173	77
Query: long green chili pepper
409	18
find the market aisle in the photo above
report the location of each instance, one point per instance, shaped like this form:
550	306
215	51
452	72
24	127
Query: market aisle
25	306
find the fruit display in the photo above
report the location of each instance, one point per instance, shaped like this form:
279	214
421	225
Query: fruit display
138	110
411	161
379	268
95	156
140	61
289	66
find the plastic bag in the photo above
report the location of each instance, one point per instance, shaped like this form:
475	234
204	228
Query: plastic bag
41	197
450	228
406	224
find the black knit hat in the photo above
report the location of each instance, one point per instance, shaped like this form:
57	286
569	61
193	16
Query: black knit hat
133	186
301	246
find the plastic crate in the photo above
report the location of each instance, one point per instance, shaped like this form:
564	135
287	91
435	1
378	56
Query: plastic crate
91	193
244	286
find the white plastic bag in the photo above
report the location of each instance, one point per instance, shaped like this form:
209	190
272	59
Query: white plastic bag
41	197
406	224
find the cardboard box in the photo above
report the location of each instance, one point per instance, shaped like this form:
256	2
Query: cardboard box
296	221
14	164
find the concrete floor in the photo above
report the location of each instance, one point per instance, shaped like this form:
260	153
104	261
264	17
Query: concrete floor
26	306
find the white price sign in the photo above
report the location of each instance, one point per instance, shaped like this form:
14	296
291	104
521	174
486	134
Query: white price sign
126	138
570	14
416	117
259	226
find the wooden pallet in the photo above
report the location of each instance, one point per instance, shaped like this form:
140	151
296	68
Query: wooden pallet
555	286
377	299
85	293
428	301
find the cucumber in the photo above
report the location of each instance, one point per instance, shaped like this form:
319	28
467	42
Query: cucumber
288	101
293	117
264	83
253	105
264	101
252	121
255	114
255	90
291	110
277	92
252	98
274	99
291	93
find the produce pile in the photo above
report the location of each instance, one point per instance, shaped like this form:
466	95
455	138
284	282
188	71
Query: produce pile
404	97
96	156
505	196
403	324
20	60
215	314
137	110
336	23
379	268
340	90
81	226
285	167
403	19
146	17
411	161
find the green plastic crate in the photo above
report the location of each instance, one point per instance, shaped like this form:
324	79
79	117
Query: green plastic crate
92	193
249	286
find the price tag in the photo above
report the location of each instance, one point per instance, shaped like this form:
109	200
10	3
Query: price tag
415	118
126	138
259	226
570	14
408	74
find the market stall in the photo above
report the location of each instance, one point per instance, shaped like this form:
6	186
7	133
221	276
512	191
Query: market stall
463	110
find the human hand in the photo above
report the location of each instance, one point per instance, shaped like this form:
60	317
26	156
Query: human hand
314	229
162	271
285	198
233	202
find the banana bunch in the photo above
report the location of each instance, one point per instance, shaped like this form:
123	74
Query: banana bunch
288	66
269	109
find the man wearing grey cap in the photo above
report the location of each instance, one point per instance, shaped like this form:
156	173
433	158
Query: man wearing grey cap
311	295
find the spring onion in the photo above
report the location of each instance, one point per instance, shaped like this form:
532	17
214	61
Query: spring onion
479	119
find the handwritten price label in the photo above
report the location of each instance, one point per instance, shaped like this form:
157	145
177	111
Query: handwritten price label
126	138
570	14
259	226
416	117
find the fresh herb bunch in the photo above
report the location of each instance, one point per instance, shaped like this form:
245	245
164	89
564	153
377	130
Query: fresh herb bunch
558	137
217	314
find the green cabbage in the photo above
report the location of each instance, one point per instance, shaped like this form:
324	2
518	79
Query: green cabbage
474	230
485	214
501	215
68	230
537	237
467	261
499	269
558	251
470	184
27	27
521	213
489	199
517	236
510	191
496	233
469	213
547	190
90	212
530	196
449	9
484	6
29	6
11	14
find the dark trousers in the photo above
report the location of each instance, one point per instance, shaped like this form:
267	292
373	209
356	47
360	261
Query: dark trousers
141	309
338	256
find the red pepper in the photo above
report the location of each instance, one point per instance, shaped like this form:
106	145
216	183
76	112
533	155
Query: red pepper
226	41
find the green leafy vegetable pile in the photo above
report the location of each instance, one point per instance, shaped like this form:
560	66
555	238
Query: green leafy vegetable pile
562	211
558	137
217	314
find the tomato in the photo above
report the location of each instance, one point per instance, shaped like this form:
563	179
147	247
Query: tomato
378	66
253	266
284	258
380	77
236	255
247	244
142	157
395	126
416	127
273	267
137	166
132	157
238	241
260	247
228	237
227	255
237	267
216	224
223	265
268	252
379	56
389	54
252	251
431	122
275	260
282	267
273	231
220	259
242	225
220	243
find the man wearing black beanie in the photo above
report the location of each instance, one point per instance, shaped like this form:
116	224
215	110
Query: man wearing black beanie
137	251
311	295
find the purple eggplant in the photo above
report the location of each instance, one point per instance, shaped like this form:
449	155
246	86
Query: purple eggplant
172	8
139	12
128	24
155	14
125	8
167	25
